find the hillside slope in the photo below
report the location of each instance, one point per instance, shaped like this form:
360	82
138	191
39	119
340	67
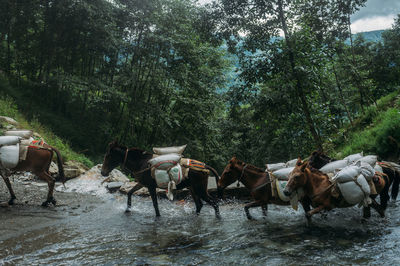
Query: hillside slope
377	131
9	108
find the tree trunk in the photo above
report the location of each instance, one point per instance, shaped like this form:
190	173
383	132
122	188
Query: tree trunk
299	86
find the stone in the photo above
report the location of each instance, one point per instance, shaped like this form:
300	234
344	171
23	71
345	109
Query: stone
53	168
74	169
114	186
9	120
117	176
10	127
71	173
127	186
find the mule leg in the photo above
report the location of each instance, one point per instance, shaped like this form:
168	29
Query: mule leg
264	209
306	203
378	208
366	212
8	183
130	192
197	201
251	205
212	202
314	211
153	194
51	182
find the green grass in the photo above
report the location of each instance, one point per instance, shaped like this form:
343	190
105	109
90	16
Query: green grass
9	108
374	138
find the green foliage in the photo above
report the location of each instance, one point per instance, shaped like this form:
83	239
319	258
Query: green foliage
374	139
154	73
9	108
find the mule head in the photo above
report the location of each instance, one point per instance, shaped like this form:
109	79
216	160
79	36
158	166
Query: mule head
229	176
297	178
114	156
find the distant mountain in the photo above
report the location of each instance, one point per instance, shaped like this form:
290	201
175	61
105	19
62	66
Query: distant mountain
371	36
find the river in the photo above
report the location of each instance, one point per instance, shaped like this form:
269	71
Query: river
99	232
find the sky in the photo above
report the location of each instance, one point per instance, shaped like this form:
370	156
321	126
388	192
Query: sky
375	15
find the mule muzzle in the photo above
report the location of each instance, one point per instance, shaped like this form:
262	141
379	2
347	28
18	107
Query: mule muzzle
286	192
104	172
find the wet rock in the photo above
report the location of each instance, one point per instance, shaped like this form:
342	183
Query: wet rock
53	168
127	186
117	176
27	176
144	192
73	169
114	186
88	183
10	127
9	120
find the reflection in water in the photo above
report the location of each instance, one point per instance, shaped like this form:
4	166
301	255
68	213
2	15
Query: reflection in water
107	234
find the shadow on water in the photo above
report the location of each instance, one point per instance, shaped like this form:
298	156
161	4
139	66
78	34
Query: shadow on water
107	234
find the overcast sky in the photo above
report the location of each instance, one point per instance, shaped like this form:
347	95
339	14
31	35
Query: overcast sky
376	15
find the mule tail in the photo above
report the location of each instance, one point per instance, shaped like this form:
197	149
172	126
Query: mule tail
215	173
395	186
60	166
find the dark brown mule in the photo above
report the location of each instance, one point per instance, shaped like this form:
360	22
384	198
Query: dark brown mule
136	162
257	181
317	187
37	161
390	179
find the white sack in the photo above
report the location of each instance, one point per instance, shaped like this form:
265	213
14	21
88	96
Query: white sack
9	140
378	168
162	177
371	159
283	174
352	193
26	134
349	173
367	171
354	157
275	166
9	156
168	150
280	186
335	165
163	162
291	163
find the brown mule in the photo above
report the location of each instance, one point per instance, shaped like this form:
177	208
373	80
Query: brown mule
257	181
317	187
136	161
390	177
38	160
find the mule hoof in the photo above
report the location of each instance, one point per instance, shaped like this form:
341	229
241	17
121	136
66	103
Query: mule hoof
128	210
11	201
54	202
45	204
218	216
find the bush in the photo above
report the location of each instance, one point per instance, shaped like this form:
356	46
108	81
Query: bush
9	108
376	138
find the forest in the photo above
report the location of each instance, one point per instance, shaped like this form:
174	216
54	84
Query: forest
263	80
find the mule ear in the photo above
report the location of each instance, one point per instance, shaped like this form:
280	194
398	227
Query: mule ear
303	167
299	162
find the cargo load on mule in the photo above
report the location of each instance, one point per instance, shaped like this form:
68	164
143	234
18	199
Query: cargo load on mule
165	168
169	169
264	187
19	152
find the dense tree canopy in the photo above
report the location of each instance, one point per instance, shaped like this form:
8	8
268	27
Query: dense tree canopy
159	72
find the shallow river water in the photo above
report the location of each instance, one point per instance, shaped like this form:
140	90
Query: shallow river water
104	234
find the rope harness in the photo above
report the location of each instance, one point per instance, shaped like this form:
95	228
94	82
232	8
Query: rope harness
241	176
